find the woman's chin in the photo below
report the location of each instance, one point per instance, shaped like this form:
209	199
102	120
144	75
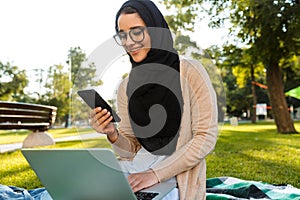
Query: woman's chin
137	58
139	55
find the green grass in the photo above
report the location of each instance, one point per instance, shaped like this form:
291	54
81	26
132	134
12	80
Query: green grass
257	152
250	152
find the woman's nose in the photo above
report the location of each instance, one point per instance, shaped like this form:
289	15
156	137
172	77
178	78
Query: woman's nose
129	41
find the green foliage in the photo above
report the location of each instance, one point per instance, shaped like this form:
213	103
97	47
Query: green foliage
272	27
241	64
12	83
185	14
242	61
291	72
184	44
57	91
82	76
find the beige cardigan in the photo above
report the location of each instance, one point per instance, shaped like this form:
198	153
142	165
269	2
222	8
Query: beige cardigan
198	133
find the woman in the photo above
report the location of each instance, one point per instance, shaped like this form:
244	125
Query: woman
187	130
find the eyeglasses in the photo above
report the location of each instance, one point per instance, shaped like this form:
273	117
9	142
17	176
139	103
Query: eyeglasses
135	34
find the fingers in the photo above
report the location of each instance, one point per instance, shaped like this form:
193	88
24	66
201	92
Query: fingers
136	182
100	118
139	181
99	115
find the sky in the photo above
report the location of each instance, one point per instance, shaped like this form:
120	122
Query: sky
37	34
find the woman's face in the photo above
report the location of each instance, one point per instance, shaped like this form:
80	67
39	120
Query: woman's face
131	22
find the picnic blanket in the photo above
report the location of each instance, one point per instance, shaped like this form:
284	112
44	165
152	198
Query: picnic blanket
225	188
16	193
221	188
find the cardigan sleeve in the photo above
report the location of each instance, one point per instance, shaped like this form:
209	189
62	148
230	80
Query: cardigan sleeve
199	117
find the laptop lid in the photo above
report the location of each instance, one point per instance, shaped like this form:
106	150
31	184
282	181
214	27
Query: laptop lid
71	174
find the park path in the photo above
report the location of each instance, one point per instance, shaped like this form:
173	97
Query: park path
15	146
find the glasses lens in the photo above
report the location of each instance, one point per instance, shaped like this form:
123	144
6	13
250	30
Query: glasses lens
121	38
137	34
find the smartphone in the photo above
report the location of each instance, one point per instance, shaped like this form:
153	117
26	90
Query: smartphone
93	99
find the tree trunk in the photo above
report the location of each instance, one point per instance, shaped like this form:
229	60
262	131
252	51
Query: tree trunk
254	99
67	121
278	102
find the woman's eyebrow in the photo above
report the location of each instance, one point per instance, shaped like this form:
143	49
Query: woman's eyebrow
121	30
136	27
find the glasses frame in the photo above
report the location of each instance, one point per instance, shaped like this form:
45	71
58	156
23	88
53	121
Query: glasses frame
118	39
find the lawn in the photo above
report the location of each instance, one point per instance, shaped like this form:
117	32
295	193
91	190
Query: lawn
256	152
250	152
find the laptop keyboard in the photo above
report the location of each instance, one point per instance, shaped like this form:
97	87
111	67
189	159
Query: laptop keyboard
145	195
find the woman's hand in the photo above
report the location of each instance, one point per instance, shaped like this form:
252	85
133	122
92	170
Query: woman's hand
101	122
139	181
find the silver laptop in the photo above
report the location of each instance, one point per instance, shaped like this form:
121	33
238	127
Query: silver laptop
70	174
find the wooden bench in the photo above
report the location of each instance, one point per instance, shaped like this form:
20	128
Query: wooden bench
34	117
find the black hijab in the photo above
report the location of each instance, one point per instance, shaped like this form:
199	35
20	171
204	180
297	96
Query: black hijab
155	81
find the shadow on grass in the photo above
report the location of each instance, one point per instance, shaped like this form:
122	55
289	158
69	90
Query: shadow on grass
283	172
14	171
268	157
252	168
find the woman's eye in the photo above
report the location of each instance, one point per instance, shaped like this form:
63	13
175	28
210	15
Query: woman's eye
122	36
137	32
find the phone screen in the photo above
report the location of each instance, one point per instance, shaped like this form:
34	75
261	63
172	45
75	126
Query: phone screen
93	100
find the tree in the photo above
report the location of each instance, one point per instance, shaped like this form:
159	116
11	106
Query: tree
82	76
236	66
247	71
270	28
57	91
12	83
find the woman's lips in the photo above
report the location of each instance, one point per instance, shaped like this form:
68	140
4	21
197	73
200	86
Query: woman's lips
134	52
